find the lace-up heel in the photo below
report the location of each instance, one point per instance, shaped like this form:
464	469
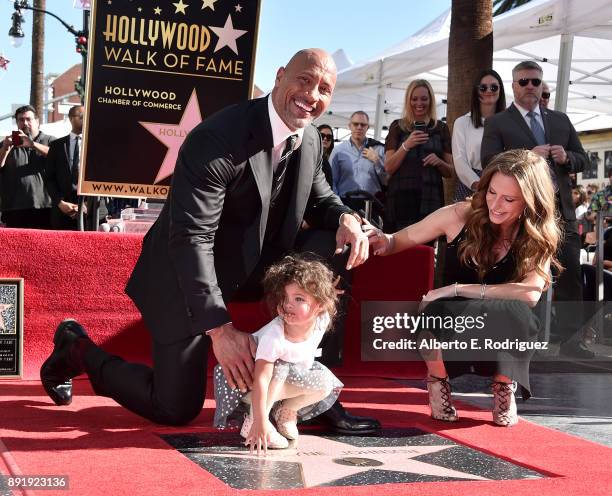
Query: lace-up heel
504	404
440	399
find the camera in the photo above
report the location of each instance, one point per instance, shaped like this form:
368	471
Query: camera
16	138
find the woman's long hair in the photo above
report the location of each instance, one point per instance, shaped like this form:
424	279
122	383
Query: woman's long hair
407	120
475	103
539	233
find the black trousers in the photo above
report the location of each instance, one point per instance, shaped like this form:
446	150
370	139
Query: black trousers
171	392
569	315
30	218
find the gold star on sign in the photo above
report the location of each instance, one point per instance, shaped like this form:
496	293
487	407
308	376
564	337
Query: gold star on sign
180	7
208	3
238	8
139	9
157	10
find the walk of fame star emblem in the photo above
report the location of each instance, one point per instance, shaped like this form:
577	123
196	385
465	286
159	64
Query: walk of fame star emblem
392	456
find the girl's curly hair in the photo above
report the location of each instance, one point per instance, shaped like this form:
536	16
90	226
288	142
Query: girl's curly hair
309	273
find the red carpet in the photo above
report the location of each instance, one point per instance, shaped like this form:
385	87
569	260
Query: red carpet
83	274
106	450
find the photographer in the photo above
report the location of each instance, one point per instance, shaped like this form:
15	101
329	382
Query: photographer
24	199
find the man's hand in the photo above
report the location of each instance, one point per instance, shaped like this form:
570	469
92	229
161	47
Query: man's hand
371	155
558	153
7	144
235	352
67	208
542	150
26	141
349	232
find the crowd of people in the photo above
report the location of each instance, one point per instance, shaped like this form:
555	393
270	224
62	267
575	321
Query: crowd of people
251	177
39	176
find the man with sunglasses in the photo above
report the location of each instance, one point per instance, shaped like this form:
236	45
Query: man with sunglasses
528	125
545	98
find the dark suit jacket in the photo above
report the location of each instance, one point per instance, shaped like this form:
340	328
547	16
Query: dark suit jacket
508	130
59	176
209	235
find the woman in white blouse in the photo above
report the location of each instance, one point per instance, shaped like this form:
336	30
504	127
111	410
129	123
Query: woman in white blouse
488	98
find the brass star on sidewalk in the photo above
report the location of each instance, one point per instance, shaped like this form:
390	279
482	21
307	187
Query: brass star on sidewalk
180	7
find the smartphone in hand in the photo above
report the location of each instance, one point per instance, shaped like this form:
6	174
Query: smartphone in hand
16	138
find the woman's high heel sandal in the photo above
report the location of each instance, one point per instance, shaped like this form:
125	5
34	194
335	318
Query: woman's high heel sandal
276	440
440	399
504	404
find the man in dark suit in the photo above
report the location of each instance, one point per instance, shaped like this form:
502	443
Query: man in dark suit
526	124
62	170
235	206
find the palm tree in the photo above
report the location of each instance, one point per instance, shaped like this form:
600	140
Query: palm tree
506	5
470	50
38	56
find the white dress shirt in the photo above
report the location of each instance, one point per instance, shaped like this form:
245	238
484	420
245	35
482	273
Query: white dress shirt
280	133
466	144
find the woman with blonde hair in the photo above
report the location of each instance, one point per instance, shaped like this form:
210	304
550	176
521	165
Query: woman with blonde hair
501	246
417	156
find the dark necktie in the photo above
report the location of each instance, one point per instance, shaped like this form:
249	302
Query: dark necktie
279	174
75	162
540	137
536	128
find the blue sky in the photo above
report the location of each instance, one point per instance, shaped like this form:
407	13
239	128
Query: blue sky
362	28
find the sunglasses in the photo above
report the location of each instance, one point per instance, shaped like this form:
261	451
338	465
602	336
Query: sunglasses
545	95
327	136
493	88
359	124
525	81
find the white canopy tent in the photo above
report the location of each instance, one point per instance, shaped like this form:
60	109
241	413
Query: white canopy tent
542	30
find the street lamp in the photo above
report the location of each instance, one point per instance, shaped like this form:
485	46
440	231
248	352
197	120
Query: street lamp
16	33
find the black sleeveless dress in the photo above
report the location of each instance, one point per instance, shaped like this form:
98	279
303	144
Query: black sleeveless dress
506	322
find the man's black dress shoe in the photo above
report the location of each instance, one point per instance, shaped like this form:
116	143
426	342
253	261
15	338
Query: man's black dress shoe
576	349
345	423
58	370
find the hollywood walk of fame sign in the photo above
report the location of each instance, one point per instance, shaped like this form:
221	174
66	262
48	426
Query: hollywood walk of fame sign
392	456
156	69
11	327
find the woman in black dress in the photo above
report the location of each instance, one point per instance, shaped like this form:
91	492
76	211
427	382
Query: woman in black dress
501	246
417	156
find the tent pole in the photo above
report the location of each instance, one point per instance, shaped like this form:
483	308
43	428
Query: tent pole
380	104
563	71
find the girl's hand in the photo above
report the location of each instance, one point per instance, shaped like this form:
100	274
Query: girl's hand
258	437
338	290
435	294
416	138
432	160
